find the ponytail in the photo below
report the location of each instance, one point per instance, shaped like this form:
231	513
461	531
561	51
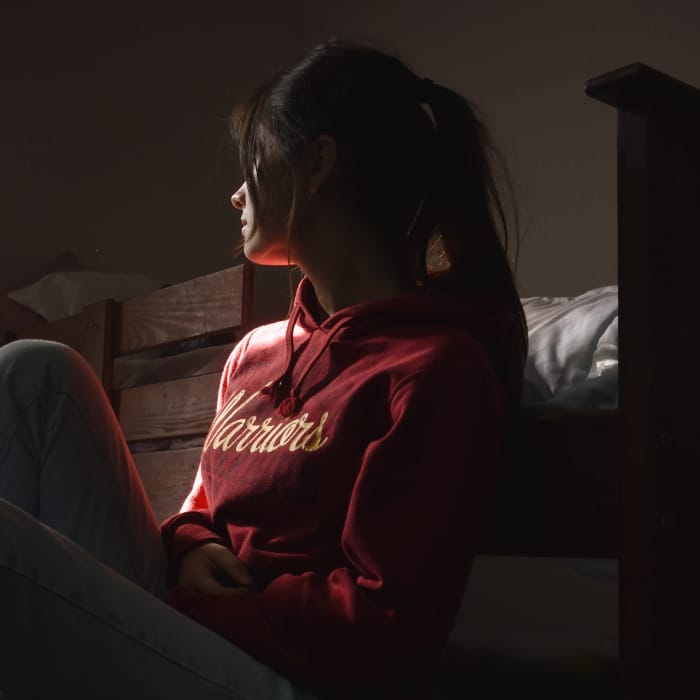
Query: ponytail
459	238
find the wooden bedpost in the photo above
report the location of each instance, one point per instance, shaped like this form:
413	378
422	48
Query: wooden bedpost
658	254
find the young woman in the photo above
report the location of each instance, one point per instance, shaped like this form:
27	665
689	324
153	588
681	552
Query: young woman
331	527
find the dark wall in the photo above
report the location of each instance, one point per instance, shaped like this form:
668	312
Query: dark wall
525	64
113	131
113	127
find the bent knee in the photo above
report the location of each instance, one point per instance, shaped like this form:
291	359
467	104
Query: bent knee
42	359
36	353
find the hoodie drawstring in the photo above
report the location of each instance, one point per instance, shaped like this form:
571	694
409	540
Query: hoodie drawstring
291	403
273	388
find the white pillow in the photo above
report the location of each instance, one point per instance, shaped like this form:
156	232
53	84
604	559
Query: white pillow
572	339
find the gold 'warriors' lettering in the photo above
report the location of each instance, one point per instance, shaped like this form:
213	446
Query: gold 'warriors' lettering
245	433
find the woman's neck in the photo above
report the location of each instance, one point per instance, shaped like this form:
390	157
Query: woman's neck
355	284
348	268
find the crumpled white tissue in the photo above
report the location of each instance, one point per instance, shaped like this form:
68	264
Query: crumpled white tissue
61	294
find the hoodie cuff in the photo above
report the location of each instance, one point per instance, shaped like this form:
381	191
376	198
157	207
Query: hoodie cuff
181	537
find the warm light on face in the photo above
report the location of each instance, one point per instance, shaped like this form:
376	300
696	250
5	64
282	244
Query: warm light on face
261	244
241	201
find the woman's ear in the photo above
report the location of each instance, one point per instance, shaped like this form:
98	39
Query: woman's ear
323	156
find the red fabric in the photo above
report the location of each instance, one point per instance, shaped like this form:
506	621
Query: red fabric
358	514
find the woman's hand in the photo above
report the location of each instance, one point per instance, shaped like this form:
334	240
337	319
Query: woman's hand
212	568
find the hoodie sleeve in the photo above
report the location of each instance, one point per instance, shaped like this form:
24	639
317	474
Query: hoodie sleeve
409	538
192	525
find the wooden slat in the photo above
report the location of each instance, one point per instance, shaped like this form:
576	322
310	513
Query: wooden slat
204	305
130	370
560	492
87	332
178	408
167	477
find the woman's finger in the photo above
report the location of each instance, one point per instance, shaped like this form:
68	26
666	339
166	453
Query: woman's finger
233	567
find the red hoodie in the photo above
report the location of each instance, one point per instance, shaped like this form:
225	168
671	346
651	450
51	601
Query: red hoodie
348	467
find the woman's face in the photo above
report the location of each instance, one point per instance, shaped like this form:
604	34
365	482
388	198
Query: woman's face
265	245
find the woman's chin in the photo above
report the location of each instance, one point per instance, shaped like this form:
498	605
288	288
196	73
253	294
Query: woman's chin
263	255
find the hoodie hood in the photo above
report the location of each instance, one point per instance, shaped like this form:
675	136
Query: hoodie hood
310	332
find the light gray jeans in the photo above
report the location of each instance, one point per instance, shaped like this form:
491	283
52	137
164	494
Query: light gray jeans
82	564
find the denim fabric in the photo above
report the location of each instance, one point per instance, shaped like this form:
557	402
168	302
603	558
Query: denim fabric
82	565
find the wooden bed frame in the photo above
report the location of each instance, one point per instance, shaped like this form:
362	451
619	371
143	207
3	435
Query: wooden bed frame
619	484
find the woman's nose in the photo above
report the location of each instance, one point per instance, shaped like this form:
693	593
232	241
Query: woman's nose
238	197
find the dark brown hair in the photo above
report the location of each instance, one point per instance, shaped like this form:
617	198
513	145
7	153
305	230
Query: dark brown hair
417	163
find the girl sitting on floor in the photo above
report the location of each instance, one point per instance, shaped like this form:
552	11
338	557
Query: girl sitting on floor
326	542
